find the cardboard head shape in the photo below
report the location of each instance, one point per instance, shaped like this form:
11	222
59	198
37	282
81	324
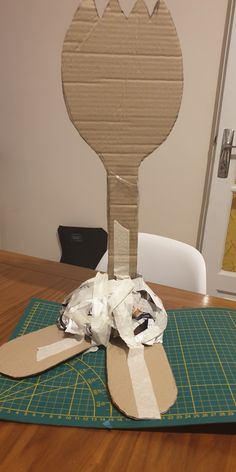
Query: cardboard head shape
122	81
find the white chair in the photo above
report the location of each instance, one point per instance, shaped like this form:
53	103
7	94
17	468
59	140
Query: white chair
168	262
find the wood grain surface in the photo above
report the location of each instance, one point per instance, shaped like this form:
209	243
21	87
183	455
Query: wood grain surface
25	447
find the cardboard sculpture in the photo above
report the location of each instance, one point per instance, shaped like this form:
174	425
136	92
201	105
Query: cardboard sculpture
122	83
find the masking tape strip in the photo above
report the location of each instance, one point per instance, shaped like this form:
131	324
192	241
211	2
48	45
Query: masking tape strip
145	398
120	290
51	349
100	321
123	322
149	334
121	249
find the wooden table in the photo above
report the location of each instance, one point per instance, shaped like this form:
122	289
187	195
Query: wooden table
25	447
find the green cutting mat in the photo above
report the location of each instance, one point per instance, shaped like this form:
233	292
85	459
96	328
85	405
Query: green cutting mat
201	347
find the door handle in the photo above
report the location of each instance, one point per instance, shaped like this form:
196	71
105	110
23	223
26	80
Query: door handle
226	153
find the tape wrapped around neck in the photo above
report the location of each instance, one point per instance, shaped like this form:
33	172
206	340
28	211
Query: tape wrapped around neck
121	250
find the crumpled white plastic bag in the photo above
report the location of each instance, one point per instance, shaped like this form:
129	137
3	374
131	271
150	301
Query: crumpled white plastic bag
100	305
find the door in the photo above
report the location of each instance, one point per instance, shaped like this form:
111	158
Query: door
219	243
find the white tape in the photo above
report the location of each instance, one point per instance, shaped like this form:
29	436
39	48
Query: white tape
121	305
123	321
145	398
121	289
100	319
121	249
159	315
51	349
145	337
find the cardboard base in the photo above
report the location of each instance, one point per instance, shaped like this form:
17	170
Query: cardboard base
18	358
37	352
119	380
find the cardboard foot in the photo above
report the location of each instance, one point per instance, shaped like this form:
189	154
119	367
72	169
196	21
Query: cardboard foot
38	351
121	385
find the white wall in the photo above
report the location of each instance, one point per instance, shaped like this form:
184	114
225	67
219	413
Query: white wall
49	175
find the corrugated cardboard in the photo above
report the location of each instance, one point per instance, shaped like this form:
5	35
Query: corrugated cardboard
120	383
18	357
122	81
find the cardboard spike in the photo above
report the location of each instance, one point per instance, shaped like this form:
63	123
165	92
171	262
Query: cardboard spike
101	6
151	5
127	6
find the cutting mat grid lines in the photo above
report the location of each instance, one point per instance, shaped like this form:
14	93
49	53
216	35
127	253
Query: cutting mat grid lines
200	345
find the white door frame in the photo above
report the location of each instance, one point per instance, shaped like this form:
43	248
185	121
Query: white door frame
216	121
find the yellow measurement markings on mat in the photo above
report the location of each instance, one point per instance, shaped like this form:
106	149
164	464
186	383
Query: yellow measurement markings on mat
219	360
232	320
29	318
12	387
100	378
33	394
89	388
185	364
75	393
38	394
31	385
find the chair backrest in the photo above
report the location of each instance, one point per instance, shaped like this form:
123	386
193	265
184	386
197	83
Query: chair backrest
168	262
82	246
